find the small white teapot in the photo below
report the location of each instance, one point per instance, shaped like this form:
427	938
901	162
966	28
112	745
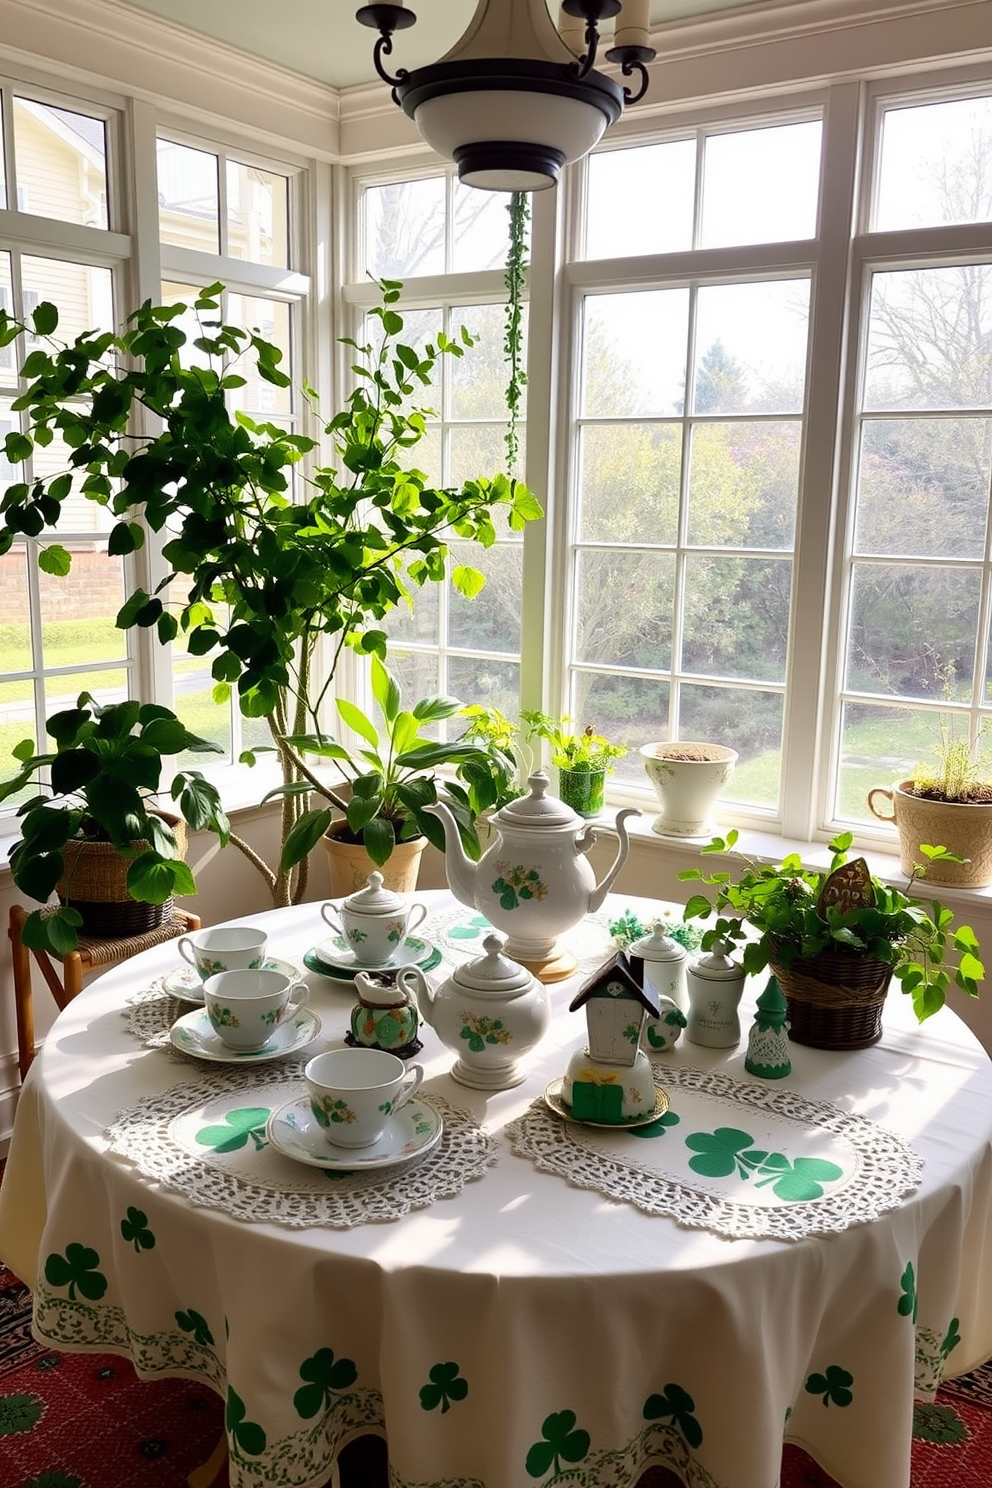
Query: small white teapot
490	1011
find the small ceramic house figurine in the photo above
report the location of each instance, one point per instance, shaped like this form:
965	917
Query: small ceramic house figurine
768	1042
611	1081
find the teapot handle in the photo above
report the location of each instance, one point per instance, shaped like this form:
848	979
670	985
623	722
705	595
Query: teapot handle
623	846
412	981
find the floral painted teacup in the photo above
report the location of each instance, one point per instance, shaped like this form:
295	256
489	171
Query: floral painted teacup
246	1007
354	1092
223	948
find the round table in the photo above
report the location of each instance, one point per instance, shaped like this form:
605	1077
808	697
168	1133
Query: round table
524	1330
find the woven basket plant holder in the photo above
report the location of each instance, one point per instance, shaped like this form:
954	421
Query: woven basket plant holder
96	881
835	1000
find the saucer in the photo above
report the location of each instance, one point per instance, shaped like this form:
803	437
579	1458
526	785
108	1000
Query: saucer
294	1131
193	1034
335	958
185	982
553	1098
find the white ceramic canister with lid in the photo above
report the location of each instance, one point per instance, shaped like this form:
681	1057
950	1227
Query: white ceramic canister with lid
664	963
715	985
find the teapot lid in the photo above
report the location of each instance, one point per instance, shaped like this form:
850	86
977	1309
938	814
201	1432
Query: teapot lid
493	972
537	808
657	946
375	900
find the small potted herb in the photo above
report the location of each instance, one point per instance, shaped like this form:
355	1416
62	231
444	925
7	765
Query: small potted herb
582	760
834	938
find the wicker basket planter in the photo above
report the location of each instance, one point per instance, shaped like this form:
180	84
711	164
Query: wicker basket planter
95	884
835	999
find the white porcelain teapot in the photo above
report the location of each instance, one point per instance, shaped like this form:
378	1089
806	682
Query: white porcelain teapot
534	881
490	1011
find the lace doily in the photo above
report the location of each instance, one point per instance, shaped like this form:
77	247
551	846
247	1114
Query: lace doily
742	1160
149	1014
459	932
206	1140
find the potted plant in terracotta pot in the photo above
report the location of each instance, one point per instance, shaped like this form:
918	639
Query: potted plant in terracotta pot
582	760
688	777
93	831
834	938
948	799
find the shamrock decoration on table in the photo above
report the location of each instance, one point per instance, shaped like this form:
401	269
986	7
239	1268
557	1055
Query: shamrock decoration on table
238	1126
248	1435
134	1227
76	1269
679	1404
727	1150
322	1373
909	1302
446	1385
561	1440
193	1322
834	1385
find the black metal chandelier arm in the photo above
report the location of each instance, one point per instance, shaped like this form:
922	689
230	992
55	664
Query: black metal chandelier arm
384	47
587	63
628	69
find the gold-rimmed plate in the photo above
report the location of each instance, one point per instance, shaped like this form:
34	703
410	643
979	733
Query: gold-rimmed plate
553	1098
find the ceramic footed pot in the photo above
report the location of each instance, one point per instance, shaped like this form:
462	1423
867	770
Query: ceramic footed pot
688	778
964	828
490	1012
601	1081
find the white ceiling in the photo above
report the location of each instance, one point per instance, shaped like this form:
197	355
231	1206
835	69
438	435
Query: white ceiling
322	40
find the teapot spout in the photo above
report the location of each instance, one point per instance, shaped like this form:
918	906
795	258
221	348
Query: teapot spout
461	872
602	889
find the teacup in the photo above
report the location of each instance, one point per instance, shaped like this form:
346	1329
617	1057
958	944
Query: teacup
223	948
374	937
246	1007
354	1092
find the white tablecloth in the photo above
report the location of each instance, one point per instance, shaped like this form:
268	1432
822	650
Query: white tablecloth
524	1331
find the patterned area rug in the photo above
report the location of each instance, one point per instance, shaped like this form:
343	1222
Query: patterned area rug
87	1421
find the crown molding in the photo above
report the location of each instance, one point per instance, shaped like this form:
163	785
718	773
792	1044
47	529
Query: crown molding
109	44
765	48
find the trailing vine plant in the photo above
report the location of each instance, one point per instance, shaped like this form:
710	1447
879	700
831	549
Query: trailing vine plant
516	269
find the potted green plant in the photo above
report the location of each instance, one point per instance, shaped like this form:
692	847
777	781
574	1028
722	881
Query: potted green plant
389	783
947	799
582	759
835	937
275	589
92	830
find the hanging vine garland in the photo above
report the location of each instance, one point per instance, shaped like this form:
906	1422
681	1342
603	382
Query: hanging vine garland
516	269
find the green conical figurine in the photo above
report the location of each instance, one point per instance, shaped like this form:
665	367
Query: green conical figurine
768	1042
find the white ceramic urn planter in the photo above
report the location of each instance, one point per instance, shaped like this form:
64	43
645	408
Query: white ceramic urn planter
688	778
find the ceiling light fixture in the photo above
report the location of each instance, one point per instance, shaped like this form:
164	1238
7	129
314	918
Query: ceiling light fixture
516	99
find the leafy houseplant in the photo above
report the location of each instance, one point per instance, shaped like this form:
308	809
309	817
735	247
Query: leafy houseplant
275	588
947	799
581	759
811	923
104	778
394	778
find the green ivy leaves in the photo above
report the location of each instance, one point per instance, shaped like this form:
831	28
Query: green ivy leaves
834	1386
134	1227
446	1385
322	1373
727	1150
77	1271
561	1441
679	1404
239	1126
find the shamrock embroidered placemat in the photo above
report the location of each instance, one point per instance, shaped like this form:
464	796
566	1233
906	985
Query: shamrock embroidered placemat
740	1159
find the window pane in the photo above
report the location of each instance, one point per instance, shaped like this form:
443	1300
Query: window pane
623	605
634	350
478	450
82	293
490	621
481	236
641	200
736	617
418	674
745	720
271	320
188	197
3	169
10	357
405	228
110	686
761	185
478	379
495	684
936	164
629	482
257	215
879	746
923	487
78	611
61	161
751	347
78	514
929	332
743	484
421	622
913	630
628	710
